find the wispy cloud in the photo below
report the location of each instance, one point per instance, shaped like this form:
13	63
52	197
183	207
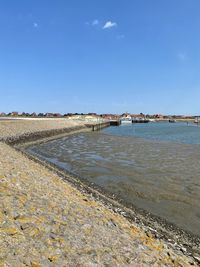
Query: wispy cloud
35	25
95	22
106	25
109	24
182	56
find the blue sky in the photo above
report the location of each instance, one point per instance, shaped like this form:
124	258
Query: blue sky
104	56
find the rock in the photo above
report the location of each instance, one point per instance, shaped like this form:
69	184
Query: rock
183	249
197	258
52	258
35	264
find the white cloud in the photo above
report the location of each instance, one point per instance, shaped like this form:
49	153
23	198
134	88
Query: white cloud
181	56
109	24
35	25
95	22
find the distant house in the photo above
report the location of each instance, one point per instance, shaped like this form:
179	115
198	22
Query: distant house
187	117
158	116
136	115
125	115
2	114
14	113
57	115
48	115
109	116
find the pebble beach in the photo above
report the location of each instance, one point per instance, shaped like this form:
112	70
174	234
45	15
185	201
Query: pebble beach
46	221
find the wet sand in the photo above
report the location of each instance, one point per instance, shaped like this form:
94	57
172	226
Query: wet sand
46	221
159	177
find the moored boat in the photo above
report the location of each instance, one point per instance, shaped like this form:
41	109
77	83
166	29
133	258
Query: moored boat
140	120
126	120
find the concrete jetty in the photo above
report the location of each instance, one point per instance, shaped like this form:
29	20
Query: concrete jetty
115	122
98	126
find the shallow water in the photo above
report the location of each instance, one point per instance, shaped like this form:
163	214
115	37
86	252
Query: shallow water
159	176
182	132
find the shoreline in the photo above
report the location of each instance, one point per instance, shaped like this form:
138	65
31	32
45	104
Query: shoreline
176	239
158	227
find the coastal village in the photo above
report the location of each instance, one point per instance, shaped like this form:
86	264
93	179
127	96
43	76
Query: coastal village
15	114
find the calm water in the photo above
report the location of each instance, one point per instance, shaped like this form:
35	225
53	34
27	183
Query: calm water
154	166
173	132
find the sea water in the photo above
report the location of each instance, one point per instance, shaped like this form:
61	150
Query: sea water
154	166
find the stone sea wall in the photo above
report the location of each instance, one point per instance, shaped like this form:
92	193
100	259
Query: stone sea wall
45	221
18	128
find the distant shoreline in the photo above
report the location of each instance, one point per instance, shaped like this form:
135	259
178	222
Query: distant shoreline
69	118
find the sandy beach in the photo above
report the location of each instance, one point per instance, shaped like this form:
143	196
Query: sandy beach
46	221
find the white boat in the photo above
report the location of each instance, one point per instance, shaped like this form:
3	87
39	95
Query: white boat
126	120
